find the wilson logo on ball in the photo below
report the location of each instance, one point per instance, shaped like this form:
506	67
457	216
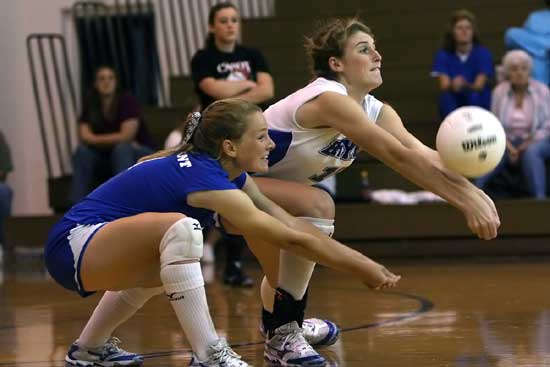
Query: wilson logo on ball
480	142
471	141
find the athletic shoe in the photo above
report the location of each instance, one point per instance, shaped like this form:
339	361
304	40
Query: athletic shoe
219	355
107	355
287	347
318	333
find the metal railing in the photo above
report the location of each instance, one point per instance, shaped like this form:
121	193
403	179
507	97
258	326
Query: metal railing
55	98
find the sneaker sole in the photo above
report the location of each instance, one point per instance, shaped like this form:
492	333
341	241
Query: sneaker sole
73	363
276	362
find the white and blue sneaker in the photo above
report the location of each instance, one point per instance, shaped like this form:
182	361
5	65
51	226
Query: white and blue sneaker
219	355
107	355
318	333
287	347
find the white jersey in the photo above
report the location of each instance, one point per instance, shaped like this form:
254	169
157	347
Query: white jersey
310	155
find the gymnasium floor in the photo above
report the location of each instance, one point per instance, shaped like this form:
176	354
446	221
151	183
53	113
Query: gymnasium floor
464	312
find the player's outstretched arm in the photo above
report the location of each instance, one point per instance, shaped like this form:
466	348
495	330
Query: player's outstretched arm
391	122
303	238
345	115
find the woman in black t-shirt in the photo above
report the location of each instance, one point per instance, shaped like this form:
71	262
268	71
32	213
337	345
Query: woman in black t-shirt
225	69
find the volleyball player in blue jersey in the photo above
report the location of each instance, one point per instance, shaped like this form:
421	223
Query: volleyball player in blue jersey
139	234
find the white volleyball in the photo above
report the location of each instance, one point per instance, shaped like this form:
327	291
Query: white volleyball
471	141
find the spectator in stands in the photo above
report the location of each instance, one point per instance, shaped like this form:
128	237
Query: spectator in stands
463	66
226	69
534	38
112	133
522	104
6	193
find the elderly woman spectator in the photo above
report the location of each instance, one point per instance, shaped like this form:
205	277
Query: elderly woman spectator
522	104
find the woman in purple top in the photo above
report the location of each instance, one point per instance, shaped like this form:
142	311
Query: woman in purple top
112	135
463	67
522	105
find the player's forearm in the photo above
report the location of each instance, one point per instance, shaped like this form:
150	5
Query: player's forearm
323	250
428	172
434	157
330	253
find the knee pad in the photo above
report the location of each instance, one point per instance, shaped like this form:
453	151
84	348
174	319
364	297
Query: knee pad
324	225
137	297
182	242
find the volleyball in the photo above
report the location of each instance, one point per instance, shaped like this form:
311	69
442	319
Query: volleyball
471	141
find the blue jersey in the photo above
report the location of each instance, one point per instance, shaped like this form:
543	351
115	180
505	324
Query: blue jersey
159	185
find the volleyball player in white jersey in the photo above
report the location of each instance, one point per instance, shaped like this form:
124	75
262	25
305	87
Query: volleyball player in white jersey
318	131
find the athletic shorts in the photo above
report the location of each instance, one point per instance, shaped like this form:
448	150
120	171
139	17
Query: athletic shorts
65	247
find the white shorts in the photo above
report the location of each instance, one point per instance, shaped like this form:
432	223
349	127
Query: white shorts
66	245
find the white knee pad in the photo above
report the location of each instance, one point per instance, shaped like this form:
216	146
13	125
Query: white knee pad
324	225
181	242
137	297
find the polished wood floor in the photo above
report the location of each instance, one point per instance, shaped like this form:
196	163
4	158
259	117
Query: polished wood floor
467	312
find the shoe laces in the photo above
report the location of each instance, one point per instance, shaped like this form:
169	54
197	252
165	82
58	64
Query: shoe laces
295	338
112	345
309	326
223	354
